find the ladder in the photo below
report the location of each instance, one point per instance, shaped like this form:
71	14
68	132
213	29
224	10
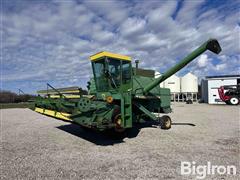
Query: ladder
126	109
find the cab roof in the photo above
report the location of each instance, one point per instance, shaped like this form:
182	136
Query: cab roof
109	54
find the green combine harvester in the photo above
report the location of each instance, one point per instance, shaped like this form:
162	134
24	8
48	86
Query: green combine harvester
119	95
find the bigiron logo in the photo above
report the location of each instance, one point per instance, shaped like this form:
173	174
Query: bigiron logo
201	171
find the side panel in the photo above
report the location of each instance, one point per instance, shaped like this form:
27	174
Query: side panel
165	98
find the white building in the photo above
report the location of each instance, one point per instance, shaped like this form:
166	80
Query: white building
210	85
182	88
189	86
173	83
158	74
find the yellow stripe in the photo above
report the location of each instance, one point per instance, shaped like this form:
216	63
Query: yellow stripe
64	116
108	54
60	115
49	112
54	92
67	96
38	110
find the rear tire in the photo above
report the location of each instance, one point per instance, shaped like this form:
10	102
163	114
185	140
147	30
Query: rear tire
166	122
234	101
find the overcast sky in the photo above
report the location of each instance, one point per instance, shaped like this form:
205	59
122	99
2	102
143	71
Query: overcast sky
51	41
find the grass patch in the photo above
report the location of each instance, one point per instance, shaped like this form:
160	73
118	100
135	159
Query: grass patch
15	105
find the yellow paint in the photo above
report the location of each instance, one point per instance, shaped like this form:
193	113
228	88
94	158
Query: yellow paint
67	96
49	112
64	116
109	99
60	115
54	92
108	54
40	110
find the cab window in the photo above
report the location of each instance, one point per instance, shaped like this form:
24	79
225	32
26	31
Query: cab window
126	72
114	68
100	77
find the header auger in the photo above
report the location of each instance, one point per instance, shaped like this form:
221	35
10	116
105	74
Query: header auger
119	95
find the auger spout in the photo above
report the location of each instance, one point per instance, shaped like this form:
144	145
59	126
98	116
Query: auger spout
211	44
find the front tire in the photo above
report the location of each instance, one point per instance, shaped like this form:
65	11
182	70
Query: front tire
166	122
234	101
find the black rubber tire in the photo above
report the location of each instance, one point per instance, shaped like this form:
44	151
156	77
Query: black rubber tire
189	101
227	102
166	122
234	101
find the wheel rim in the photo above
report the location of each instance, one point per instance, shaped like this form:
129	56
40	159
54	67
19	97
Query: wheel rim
117	121
234	100
168	123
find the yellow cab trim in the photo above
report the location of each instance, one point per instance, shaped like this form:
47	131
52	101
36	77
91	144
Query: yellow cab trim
109	54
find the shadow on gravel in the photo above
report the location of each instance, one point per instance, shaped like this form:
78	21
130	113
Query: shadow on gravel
103	138
109	137
95	137
184	124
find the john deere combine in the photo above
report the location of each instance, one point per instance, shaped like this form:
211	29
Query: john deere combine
119	95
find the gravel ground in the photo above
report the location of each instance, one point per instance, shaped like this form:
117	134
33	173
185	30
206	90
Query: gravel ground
34	146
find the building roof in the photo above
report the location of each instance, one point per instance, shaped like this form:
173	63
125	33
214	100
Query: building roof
223	76
189	74
109	54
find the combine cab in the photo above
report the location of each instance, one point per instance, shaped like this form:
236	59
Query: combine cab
230	94
119	95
